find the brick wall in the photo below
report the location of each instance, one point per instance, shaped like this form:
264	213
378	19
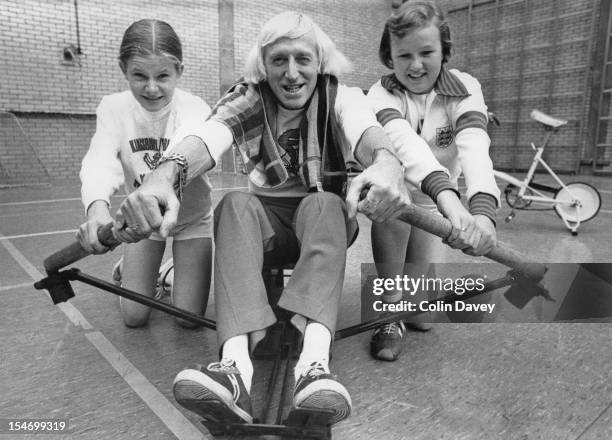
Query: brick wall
60	140
355	27
523	59
37	32
55	103
35	82
529	54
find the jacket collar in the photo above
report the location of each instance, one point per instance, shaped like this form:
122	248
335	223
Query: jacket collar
447	84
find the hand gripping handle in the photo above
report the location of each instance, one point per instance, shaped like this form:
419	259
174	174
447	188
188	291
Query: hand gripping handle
502	253
74	252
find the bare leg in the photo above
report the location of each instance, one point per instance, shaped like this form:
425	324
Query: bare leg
389	249
192	273
140	268
424	250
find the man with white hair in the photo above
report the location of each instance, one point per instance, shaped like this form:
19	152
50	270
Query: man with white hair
294	126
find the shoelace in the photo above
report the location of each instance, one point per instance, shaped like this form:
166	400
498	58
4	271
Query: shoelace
392	327
224	364
315	370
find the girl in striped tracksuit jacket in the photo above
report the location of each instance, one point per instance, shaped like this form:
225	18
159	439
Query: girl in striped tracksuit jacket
423	100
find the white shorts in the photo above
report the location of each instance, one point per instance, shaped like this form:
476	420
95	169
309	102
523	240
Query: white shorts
195	219
200	228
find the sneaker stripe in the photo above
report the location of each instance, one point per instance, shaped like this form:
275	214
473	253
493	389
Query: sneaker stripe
234	381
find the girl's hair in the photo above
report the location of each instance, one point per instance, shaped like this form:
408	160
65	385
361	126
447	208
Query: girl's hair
150	37
413	15
293	25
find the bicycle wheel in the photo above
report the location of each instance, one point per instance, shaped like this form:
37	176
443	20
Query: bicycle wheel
513	199
587	195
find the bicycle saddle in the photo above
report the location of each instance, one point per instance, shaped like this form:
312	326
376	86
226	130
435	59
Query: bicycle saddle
545	119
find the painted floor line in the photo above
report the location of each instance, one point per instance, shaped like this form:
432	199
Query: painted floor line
33	202
37	234
594	421
180	426
72	199
73	314
38	212
15	286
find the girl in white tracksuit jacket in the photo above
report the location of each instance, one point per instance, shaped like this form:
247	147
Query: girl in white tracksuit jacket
422	100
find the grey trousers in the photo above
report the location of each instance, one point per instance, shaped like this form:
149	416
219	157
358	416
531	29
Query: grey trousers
312	232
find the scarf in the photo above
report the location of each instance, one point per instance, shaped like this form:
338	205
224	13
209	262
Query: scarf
249	111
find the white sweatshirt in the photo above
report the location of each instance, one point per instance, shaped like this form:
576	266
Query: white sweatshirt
129	141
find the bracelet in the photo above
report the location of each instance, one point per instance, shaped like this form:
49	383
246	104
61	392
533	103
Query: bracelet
181	161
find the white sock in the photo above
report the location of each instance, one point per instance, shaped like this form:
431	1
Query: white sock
317	341
237	349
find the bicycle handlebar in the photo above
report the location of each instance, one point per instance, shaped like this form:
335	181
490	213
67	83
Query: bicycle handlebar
492	119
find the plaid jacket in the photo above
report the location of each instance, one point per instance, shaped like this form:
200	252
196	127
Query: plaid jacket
249	111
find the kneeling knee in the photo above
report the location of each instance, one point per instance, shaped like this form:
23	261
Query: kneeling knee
135	322
134	317
185	323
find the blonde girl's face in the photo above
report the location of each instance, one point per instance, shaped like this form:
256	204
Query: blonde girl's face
417	58
152	80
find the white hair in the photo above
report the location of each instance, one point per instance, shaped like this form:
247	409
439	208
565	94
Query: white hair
294	25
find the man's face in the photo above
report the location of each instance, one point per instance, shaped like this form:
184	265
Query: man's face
291	68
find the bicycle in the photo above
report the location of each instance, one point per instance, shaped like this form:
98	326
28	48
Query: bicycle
575	203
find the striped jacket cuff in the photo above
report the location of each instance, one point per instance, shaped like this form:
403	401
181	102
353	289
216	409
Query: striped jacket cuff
471	119
483	204
388	114
436	182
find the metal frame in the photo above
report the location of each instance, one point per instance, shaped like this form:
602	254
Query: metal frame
281	345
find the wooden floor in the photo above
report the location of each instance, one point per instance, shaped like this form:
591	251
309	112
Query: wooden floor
496	380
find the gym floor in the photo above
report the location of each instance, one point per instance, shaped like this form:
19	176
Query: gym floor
78	362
